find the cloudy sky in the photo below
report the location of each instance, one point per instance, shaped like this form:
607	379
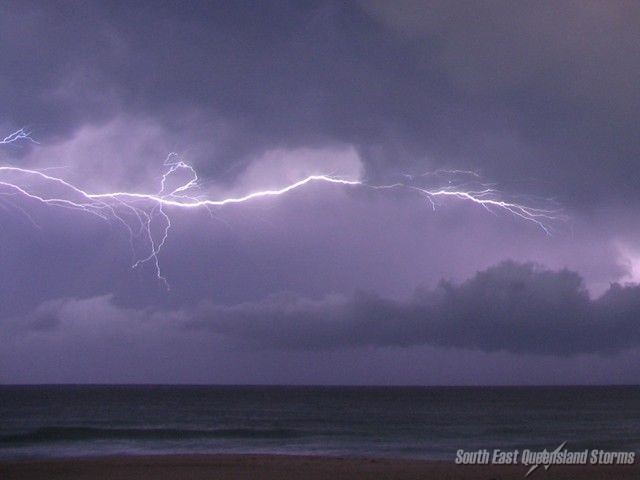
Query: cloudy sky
328	283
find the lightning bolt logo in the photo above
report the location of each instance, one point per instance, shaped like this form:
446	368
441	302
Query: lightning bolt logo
547	466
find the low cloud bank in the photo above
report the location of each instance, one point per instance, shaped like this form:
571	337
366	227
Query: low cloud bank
512	307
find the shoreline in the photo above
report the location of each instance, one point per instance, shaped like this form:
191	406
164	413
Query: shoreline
272	467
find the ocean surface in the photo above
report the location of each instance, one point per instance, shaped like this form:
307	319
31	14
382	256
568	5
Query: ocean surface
432	423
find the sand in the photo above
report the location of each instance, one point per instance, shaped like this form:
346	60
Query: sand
272	467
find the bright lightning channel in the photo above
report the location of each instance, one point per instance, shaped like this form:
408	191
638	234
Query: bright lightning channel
142	213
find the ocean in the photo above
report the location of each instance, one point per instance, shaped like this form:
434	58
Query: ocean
413	422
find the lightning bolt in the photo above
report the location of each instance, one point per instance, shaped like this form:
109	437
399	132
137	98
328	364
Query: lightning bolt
547	466
20	134
141	214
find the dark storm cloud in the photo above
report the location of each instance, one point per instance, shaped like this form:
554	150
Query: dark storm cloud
556	334
541	97
511	307
518	308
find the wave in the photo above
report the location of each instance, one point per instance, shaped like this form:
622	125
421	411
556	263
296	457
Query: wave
49	434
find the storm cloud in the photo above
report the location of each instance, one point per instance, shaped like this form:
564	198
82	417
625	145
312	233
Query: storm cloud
511	307
540	100
517	308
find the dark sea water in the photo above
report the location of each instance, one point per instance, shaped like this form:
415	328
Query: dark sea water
43	421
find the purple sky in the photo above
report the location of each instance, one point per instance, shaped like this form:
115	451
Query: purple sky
328	283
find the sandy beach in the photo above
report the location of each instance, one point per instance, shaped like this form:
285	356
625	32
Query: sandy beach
272	467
